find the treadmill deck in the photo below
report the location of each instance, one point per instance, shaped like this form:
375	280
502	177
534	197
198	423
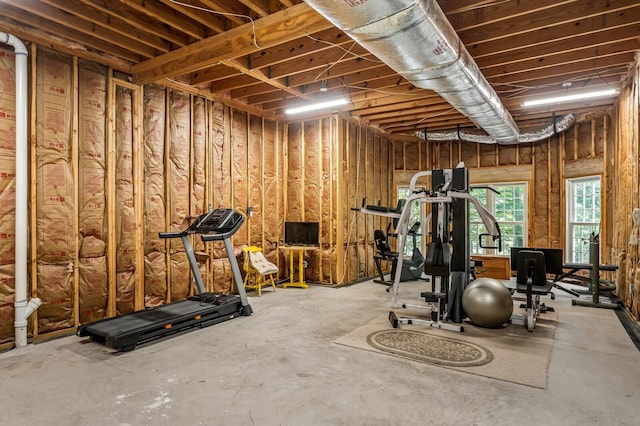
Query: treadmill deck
125	332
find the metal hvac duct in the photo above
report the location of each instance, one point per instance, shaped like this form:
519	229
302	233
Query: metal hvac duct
416	40
558	125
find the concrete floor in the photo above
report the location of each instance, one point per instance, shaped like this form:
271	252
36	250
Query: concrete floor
280	367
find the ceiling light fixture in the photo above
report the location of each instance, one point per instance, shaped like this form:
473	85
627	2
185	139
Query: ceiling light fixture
317	106
569	98
323	86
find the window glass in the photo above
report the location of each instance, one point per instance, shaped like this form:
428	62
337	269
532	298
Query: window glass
583	216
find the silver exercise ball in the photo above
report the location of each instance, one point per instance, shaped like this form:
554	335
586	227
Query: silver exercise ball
487	302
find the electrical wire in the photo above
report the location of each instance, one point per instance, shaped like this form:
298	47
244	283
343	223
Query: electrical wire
216	12
386	92
523	88
336	62
364	58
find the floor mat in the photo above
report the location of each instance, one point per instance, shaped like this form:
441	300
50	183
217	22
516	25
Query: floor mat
510	353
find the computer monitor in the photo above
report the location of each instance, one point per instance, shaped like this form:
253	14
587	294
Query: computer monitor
552	259
301	233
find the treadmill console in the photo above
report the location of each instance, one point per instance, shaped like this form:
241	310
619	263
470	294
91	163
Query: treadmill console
218	221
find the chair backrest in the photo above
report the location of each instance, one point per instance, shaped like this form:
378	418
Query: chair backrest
261	264
382	244
246	251
531	268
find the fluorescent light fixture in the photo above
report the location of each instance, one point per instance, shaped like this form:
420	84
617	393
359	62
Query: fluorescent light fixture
318	105
569	98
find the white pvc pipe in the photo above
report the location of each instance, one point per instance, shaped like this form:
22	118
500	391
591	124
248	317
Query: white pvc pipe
22	189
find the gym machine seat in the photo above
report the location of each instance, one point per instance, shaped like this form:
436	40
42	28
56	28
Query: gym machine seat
383	253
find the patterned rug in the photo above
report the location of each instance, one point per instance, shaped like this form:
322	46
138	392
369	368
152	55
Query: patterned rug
510	353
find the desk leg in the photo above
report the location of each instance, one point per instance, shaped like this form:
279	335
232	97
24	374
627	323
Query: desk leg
300	283
301	269
291	267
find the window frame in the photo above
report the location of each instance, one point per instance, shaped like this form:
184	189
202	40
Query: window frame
570	206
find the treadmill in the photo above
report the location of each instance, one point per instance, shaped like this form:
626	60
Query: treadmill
124	332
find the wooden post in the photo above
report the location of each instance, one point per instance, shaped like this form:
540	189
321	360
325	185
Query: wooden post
592	149
32	179
111	203
262	209
167	190
285	170
320	169
208	182
549	192
231	180
576	134
191	179
138	194
604	201
303	163
332	209
341	163
247	201
563	187
76	211
208	179
281	154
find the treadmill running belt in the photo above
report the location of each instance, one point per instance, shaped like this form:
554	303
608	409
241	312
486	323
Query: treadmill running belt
125	332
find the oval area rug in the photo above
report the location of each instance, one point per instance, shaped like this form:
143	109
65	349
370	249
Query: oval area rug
423	347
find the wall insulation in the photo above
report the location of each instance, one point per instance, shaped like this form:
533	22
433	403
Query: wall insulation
92	236
55	236
625	195
254	179
124	202
222	188
325	181
270	209
179	189
111	170
198	173
155	262
7	191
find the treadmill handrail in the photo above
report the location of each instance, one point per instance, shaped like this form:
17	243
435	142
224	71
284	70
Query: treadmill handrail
174	234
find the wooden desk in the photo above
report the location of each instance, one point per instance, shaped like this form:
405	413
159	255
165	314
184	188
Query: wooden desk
292	251
493	266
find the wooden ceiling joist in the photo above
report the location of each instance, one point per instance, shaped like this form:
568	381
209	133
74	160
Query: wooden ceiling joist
278	28
263	56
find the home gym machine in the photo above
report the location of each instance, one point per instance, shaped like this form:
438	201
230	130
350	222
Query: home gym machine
597	286
447	261
202	310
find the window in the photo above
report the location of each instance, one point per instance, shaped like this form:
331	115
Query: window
509	206
415	216
583	216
